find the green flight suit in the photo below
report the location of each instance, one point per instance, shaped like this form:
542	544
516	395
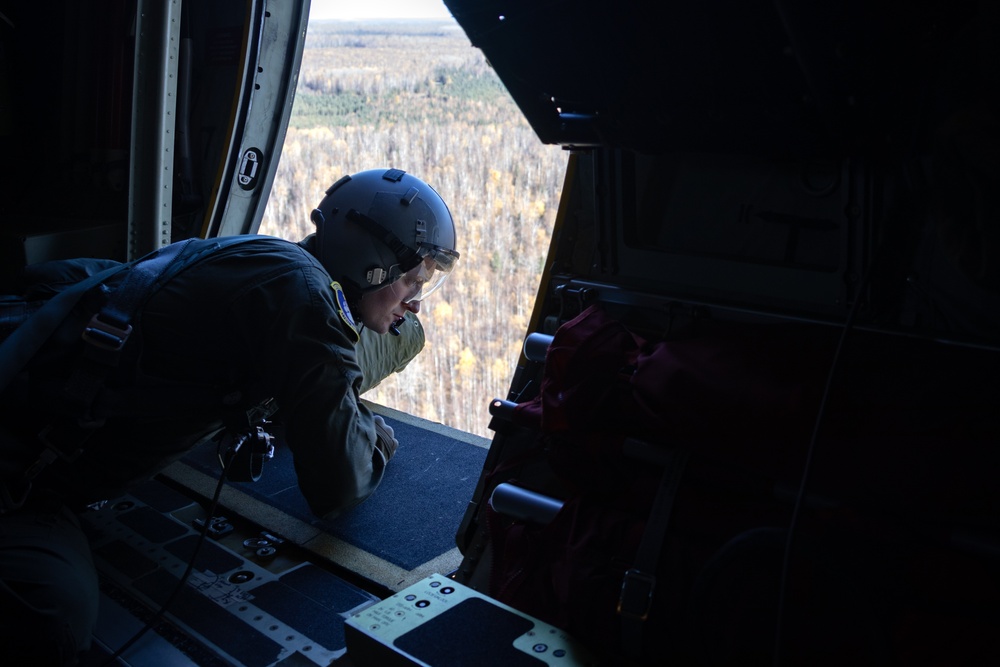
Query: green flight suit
252	321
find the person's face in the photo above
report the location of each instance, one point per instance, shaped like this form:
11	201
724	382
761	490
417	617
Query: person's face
381	308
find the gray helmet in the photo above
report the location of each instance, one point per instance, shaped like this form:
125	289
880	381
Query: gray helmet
376	225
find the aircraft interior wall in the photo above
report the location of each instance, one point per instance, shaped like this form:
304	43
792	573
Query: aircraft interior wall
783	215
123	121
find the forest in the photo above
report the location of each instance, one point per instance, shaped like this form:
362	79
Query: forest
417	96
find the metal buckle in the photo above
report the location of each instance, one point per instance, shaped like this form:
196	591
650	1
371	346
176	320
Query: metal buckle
105	336
637	593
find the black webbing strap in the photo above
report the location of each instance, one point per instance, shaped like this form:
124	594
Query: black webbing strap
15	352
109	329
639	582
22	344
105	334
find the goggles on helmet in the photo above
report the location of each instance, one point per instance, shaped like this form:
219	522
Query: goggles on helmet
426	267
419	282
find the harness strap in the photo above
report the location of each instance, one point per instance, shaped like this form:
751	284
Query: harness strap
109	329
15	352
639	583
20	346
105	335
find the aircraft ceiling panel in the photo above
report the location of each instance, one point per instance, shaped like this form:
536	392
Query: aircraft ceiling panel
750	76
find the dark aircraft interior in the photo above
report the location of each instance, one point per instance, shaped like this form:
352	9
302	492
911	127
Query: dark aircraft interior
756	419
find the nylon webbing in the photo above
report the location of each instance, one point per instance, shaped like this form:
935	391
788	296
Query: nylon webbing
18	348
102	351
639	582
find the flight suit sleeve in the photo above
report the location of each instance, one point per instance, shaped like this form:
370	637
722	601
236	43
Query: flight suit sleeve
330	432
381	355
332	437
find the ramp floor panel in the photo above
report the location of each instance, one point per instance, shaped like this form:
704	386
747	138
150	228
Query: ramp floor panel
262	609
402	533
237	605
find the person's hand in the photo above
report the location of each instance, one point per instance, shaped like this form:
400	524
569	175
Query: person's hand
385	438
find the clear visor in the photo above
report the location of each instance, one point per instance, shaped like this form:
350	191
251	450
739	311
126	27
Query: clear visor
420	281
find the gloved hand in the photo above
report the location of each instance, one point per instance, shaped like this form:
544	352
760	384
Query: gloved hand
385	438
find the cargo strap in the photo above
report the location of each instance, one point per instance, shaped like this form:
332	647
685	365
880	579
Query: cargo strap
639	583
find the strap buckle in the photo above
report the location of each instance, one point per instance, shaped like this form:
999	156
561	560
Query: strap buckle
106	336
636	597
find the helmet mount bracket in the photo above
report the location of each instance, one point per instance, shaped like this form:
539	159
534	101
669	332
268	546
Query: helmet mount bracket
376	275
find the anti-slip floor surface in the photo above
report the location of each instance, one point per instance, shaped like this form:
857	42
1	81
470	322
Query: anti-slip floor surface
403	532
260	608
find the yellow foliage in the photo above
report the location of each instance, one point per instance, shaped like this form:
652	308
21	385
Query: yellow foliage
466	363
501	368
443	312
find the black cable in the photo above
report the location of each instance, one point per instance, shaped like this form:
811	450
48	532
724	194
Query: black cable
807	466
184	577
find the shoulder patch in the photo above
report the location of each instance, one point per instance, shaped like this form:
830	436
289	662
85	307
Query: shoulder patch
344	310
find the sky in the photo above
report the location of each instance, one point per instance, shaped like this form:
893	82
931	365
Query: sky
367	9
